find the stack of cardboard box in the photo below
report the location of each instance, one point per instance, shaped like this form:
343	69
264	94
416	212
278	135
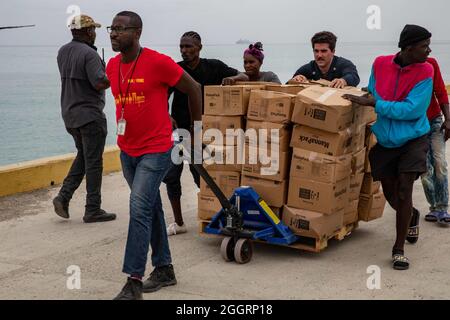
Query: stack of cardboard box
225	108
327	167
371	201
318	172
267	156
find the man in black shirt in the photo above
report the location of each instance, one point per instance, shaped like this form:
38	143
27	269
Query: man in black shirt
205	72
341	72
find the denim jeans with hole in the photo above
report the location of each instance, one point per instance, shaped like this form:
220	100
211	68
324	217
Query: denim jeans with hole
147	227
435	181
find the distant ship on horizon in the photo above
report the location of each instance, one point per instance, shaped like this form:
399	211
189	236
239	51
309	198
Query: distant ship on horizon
243	41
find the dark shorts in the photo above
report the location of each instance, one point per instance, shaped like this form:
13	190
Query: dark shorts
409	158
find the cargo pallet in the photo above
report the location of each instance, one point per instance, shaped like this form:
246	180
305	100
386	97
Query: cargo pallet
304	243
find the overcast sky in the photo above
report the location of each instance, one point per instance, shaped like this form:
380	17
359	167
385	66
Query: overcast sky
225	21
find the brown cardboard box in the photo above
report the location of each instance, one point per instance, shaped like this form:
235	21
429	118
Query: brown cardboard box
283	130
323	108
288	88
367	168
319	167
223	158
272	192
371	207
227	181
358	160
371	139
208	206
223	123
351	212
277	169
364	114
359	137
369	186
261	84
356	181
228	100
333	144
312	224
270	106
316	196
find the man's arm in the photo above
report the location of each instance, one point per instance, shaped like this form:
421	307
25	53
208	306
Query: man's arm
442	96
350	74
193	90
413	107
301	75
95	70
232	80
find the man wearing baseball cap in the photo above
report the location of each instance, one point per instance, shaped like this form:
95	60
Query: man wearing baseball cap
82	101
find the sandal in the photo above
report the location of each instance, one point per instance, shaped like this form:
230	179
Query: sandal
444	218
433	216
400	262
413	230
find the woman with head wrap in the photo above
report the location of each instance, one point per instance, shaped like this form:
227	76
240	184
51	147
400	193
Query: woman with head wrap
253	60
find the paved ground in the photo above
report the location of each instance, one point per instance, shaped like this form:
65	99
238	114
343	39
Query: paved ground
37	247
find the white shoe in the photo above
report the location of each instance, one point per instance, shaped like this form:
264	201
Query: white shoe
174	229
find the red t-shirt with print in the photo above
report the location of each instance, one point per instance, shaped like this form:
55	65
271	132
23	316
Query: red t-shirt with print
148	126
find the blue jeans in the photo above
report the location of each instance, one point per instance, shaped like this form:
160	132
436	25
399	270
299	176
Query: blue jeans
435	181
144	175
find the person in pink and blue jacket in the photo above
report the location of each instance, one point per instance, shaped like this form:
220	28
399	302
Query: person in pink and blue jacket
401	86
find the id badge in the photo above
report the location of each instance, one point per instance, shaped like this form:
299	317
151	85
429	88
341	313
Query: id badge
121	126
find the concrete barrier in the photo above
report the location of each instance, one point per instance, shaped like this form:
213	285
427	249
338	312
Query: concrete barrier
46	172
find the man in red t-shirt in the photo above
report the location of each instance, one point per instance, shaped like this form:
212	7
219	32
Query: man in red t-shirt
140	79
435	180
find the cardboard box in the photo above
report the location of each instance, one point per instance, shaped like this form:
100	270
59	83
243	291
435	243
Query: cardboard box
356	181
288	88
326	198
364	114
359	137
262	84
312	224
208	206
223	158
227	181
257	138
371	139
311	165
323	108
369	186
371	207
358	160
277	169
351	212
227	100
223	124
270	106
274	193
367	168
333	144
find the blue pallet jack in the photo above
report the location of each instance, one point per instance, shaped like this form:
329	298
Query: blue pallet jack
243	218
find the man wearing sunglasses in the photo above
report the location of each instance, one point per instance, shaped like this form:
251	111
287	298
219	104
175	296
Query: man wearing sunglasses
140	81
82	101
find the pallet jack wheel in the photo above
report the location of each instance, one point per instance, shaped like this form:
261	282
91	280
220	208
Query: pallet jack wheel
227	249
243	251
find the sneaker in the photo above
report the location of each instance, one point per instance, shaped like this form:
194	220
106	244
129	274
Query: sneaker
131	291
61	207
100	216
174	229
160	277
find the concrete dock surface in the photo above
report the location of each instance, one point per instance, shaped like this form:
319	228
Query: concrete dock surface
37	248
